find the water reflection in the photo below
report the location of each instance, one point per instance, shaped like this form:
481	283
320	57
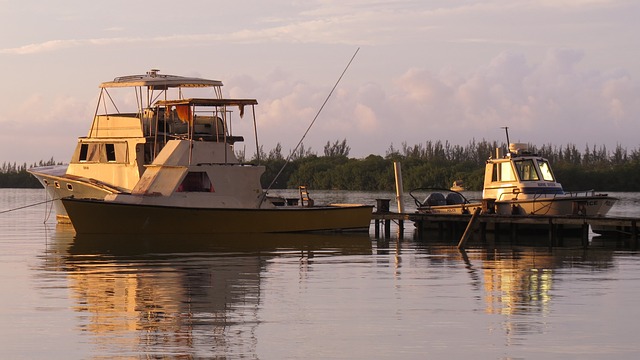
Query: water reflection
519	283
177	296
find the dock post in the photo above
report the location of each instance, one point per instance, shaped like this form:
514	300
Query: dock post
514	232
552	233
382	207
399	187
469	229
560	235
397	168
420	230
387	228
483	232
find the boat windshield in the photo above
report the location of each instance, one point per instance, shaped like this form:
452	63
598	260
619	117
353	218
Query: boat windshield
545	169
526	170
502	171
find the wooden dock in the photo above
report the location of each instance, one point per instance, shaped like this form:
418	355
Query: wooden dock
554	226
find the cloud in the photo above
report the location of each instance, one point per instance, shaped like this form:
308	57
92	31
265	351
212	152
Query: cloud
326	22
360	23
556	100
55	45
576	3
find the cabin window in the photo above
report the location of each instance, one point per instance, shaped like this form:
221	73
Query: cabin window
506	172
84	149
197	181
95	152
89	152
545	169
526	170
111	152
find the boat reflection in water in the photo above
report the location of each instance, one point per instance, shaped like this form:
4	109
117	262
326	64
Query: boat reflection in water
148	295
237	296
518	283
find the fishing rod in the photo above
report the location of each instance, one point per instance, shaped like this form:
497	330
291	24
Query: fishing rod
308	128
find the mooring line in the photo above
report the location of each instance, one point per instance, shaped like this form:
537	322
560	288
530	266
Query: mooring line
47	209
28	206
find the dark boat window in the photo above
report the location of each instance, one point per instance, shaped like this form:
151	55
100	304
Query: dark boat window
84	149
197	181
111	152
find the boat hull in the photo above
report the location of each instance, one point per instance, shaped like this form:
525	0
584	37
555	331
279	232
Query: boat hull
58	185
597	205
104	217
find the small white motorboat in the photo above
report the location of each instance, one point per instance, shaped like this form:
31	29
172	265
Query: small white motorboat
518	183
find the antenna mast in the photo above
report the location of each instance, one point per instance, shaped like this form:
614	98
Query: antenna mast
506	130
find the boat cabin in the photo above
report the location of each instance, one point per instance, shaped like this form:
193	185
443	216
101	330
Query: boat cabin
519	175
122	142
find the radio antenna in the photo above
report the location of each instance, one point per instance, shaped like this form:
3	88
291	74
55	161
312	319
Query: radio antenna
506	130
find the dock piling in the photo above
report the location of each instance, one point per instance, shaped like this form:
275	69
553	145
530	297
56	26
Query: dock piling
469	229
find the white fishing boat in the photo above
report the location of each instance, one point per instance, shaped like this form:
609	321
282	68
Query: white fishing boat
520	183
171	167
122	139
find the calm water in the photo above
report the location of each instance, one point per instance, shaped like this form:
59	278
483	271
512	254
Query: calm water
307	296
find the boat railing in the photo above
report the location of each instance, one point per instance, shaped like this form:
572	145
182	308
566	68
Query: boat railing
590	192
542	195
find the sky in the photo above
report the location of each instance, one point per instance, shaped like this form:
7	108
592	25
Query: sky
555	72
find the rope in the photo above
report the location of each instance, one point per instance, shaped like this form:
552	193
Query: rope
47	209
28	206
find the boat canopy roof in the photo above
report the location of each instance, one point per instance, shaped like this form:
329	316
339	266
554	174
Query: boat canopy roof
156	81
208	102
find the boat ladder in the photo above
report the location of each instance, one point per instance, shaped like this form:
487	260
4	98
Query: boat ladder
305	200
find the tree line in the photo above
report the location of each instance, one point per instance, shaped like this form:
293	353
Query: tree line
439	164
13	175
430	164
